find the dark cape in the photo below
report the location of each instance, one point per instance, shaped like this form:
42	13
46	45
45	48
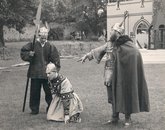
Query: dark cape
129	87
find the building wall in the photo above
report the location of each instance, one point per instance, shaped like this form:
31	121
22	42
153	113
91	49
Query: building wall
137	14
158	32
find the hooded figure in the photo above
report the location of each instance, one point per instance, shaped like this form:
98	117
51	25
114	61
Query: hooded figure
127	87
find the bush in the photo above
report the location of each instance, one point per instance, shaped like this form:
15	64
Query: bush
56	34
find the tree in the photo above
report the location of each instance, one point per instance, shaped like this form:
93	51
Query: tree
55	11
93	16
48	12
98	16
62	9
15	14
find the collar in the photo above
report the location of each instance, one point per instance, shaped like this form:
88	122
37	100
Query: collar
58	79
38	39
123	39
43	44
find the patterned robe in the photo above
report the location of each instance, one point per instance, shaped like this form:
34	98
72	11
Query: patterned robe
65	101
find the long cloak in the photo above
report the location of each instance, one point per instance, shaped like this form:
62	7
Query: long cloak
129	92
129	86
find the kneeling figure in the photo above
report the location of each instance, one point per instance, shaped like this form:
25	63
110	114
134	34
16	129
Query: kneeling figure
66	105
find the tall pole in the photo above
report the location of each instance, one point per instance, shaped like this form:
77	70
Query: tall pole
37	23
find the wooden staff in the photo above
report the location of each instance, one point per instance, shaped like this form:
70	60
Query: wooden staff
125	16
37	23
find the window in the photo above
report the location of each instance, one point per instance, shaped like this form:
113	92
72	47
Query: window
162	33
142	28
142	34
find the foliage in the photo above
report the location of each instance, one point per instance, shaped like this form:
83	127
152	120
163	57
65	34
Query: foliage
93	17
85	16
56	11
61	8
16	13
158	6
47	12
55	34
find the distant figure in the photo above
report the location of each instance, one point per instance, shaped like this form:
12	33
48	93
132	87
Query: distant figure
72	35
66	105
83	35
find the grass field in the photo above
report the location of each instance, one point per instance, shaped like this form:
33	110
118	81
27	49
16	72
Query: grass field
87	80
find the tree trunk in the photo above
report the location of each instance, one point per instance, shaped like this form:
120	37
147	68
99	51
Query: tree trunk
2	43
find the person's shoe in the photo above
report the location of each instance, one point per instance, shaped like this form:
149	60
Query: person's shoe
127	122
78	120
34	113
75	119
112	121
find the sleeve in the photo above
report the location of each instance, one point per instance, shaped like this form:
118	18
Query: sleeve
25	51
97	53
54	57
66	105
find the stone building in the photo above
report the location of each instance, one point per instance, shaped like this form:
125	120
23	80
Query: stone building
137	22
145	21
157	29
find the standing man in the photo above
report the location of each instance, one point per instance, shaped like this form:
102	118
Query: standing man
39	54
128	92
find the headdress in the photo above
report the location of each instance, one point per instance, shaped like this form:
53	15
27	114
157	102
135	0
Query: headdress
118	27
43	31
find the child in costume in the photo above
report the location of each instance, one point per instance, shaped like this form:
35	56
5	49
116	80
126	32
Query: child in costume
66	105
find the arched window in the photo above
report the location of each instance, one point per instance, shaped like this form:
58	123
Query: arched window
162	33
142	28
142	34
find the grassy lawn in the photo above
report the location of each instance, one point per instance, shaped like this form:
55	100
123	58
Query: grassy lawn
87	80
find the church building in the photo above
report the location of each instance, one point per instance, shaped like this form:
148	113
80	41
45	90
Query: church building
143	20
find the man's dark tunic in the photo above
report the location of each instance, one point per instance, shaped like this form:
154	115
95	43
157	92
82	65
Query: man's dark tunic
37	70
43	55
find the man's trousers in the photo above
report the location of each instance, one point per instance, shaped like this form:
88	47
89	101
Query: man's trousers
35	93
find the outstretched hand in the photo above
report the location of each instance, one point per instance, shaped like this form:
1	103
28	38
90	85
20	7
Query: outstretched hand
82	59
